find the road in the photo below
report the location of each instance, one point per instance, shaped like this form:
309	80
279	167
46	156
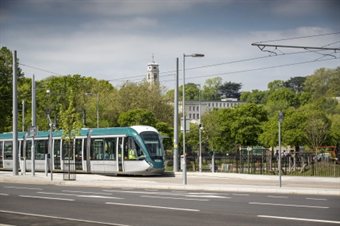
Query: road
22	204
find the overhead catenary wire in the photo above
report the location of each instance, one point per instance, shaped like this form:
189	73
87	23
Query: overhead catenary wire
254	69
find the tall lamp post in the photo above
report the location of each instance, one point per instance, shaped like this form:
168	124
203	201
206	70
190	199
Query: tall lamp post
199	131
280	121
184	114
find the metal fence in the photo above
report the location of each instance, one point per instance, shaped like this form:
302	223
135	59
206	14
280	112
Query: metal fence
264	162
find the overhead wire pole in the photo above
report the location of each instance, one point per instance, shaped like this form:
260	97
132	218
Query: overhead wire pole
175	160
15	116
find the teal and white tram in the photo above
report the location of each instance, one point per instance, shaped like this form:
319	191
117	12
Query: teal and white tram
135	150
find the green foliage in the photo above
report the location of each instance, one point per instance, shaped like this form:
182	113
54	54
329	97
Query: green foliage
324	83
230	90
167	133
70	121
255	97
295	83
136	117
6	75
210	88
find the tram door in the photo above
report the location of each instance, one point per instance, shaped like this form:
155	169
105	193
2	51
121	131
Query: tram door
120	154
56	155
1	155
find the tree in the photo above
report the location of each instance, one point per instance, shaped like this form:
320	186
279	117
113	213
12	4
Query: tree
296	84
6	62
230	90
137	117
316	129
247	124
210	88
276	84
335	130
280	99
255	97
143	96
324	83
293	127
70	120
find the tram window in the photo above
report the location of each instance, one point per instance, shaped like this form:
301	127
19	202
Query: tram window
103	149
110	149
8	150
97	149
67	150
28	149
56	148
79	143
132	150
41	150
0	150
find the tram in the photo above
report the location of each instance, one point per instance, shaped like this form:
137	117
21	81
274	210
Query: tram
135	150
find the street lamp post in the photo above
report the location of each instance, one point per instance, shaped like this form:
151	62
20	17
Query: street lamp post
199	131
184	115
280	172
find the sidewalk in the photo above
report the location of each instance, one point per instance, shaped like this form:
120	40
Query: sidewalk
223	182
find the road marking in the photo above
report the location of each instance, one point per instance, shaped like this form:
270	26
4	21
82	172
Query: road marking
166	197
317	199
290	205
87	192
62	218
300	219
28	188
208	196
149	206
44	197
277	197
236	194
172	194
4	194
81	196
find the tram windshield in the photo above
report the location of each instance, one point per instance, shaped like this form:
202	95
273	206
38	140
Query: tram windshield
153	144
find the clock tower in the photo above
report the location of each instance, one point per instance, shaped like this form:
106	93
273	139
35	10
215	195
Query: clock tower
152	76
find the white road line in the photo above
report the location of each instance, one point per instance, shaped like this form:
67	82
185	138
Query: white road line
4	194
149	206
87	192
290	205
208	196
44	197
236	194
81	196
277	197
27	188
317	199
61	218
99	197
167	197
300	219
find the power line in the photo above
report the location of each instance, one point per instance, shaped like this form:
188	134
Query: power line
300	37
255	69
40	69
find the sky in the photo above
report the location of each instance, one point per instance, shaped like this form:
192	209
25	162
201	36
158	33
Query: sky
115	39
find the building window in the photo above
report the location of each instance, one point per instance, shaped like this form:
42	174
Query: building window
198	116
189	116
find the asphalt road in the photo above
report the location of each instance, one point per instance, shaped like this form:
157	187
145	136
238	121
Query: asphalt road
64	205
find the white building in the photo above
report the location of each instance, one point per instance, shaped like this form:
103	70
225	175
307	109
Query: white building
195	109
152	76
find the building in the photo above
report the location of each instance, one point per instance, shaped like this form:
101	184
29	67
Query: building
152	76
195	109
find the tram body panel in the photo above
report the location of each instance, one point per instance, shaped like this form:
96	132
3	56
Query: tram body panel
98	150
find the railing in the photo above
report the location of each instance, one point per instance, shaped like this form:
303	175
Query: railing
307	164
